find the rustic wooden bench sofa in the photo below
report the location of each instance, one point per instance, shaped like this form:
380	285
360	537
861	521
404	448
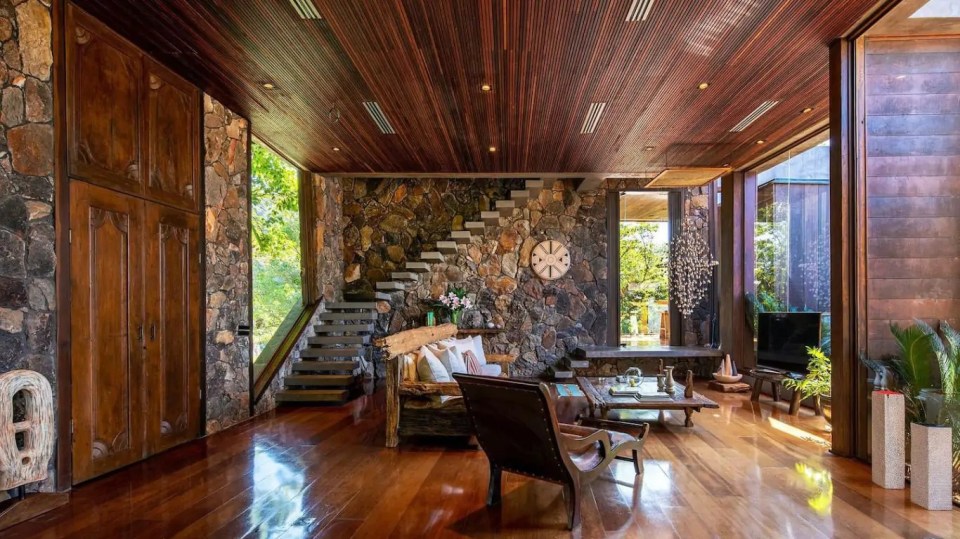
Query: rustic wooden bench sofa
424	408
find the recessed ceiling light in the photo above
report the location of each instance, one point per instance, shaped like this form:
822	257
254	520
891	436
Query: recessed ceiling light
485	87
649	148
269	85
492	149
807	110
761	141
726	165
703	85
336	149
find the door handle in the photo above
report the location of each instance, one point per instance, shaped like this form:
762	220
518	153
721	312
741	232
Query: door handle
140	332
153	331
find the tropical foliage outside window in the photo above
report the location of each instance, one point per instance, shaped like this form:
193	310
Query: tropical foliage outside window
644	251
277	280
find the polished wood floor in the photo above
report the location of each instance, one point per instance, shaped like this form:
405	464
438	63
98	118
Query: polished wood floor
744	470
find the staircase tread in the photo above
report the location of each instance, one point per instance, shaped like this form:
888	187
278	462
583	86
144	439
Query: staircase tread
344	305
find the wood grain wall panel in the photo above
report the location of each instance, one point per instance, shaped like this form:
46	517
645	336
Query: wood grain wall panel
913	190
424	62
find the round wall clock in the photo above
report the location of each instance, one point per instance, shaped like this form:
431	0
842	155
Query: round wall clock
550	260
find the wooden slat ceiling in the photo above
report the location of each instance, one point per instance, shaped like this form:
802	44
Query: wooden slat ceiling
425	60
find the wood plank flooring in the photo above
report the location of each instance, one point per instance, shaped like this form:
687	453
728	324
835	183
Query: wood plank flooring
742	471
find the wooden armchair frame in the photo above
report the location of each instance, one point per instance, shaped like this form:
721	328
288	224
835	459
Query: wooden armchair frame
394	347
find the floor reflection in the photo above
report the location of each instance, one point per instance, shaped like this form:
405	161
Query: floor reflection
819	485
277	507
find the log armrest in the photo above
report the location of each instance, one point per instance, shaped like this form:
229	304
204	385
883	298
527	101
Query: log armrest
430	389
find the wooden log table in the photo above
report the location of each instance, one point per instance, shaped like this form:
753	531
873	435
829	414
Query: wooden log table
597	391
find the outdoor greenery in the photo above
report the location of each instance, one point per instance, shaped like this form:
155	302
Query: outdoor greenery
643	270
277	281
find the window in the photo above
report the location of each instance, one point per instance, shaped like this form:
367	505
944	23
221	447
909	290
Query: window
278	298
792	233
644	251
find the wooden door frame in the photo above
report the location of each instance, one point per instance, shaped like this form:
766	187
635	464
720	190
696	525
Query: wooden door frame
674	199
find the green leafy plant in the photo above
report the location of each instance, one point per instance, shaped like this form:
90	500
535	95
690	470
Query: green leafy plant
816	383
913	364
947	352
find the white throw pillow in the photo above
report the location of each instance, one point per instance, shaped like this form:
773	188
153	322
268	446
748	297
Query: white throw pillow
491	369
430	369
478	349
452	360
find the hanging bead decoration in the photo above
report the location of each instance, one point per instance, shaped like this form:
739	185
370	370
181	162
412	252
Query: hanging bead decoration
691	268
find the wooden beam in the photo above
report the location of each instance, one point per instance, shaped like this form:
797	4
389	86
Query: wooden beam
736	265
842	246
613	268
675	211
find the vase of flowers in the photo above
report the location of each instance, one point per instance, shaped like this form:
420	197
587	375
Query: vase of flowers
454	302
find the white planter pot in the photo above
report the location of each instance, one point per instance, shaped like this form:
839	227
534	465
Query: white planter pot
931	467
887	436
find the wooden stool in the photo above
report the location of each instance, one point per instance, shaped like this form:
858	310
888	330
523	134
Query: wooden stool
775	379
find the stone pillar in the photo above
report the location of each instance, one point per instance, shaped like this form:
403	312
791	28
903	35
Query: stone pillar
931	467
887	437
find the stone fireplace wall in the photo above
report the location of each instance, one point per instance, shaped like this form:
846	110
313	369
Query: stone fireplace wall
28	338
227	222
388	222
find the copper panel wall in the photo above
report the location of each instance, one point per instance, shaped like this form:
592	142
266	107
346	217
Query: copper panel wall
913	184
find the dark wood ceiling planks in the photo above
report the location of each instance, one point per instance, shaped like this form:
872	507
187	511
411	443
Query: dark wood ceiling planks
425	60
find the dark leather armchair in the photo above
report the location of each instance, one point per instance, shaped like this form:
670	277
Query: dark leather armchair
516	426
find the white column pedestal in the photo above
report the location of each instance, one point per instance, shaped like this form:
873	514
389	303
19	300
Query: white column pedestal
887	436
931	467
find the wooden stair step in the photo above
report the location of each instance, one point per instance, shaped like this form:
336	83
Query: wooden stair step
343	328
506	207
461	236
325	366
320	380
313	395
490	217
433	256
339	339
521	195
419	267
562	375
403	276
351	306
443	247
344	351
390	285
579	363
365	315
534	186
382	296
475	226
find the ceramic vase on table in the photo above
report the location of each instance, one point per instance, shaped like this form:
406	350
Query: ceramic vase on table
931	467
887	435
669	382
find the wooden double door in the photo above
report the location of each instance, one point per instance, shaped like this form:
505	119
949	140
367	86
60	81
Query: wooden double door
135	328
133	162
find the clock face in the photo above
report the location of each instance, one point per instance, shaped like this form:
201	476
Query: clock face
550	260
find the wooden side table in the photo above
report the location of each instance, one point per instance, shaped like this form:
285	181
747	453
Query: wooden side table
775	379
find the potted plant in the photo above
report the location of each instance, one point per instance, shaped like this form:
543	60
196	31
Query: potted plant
816	383
454	302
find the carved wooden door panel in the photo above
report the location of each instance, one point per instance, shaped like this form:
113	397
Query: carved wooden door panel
106	320
103	104
171	137
172	292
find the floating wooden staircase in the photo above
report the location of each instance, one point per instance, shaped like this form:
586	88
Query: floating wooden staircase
329	369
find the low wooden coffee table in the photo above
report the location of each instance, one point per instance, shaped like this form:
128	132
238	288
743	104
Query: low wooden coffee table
598	394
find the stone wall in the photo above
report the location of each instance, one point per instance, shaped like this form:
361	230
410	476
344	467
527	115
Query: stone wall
227	183
388	222
27	260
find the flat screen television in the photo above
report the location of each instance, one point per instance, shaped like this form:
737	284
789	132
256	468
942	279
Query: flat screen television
783	338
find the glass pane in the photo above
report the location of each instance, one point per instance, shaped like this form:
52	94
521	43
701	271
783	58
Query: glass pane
792	257
644	250
275	243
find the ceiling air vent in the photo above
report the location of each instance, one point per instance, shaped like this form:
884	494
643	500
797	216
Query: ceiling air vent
752	117
373	108
639	10
305	9
593	118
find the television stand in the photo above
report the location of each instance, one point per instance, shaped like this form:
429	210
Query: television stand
775	379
